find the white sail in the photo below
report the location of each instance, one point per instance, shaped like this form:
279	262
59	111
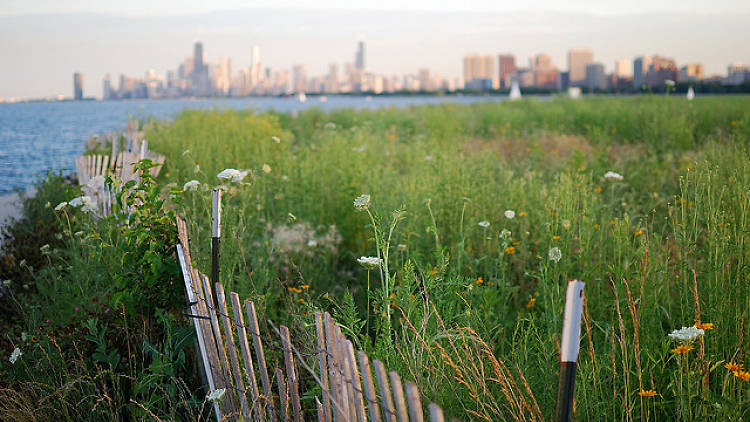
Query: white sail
515	91
301	97
690	94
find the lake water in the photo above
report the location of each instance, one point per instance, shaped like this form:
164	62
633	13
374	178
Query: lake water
35	137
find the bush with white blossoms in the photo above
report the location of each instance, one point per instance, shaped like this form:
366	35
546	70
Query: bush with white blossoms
362	202
15	355
369	262
233	175
191	185
484	224
216	395
686	334
610	175
509	214
85	202
554	254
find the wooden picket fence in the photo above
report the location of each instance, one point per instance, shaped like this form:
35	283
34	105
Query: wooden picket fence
349	392
119	165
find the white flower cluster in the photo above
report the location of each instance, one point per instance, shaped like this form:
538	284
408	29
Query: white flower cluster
509	214
233	175
505	234
85	202
191	185
15	355
362	202
216	395
610	175
554	254
96	182
369	262
484	224
686	334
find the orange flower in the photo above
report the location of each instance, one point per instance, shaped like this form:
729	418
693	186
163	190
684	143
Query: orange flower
300	300
681	349
705	326
596	226
510	250
598	189
530	303
743	375
433	270
611	222
516	243
733	366
555	237
639	232
479	280
392	295
648	393
522	214
305	286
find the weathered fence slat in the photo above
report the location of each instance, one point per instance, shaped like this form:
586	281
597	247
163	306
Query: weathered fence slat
359	402
239	385
283	401
372	399
252	320
323	362
246	357
291	373
436	413
222	352
385	391
415	403
398	396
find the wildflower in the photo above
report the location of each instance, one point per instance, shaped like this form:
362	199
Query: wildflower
522	214
428	157
705	326
734	123
305	286
596	226
611	222
276	139
300	300
191	185
186	152
330	125
85	202
484	223
312	243
266	168
510	250
216	395
610	175
505	234
516	243
554	254
369	262
647	393
402	247
733	366
61	205
233	175
669	82
44	249
509	214
681	349
7	283
360	148
196	169
362	203
96	182
598	189
686	334
565	224
638	233
15	355
479	280
530	303
743	375
555	237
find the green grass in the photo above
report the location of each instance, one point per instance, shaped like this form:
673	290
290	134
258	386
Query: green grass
679	217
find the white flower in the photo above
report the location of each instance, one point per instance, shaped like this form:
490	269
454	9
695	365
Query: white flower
47	205
369	262
312	243
509	214
554	254
266	168
686	334
216	395
85	202
191	185
669	82
7	283
428	157
362	203
484	223
78	234
233	175
610	175
402	247
197	168
505	234
96	182
330	125
44	249
565	224
186	152
360	148
61	205
15	355
276	139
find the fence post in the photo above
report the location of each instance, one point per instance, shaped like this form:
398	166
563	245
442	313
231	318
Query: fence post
571	336
215	235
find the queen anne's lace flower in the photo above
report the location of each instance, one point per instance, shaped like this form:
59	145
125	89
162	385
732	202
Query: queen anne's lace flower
85	202
191	185
216	395
15	355
509	214
266	168
554	254
233	175
610	175
362	202
505	234
96	182
369	262
484	224
686	334
61	205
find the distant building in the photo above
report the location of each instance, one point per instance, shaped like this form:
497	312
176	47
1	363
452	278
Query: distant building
595	77
359	57
662	69
332	80
107	93
640	69
299	78
545	74
737	73
578	59
507	65
623	69
425	83
78	86
691	72
479	72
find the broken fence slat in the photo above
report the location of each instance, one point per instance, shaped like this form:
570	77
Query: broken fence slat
389	407
370	394
252	320
291	374
239	384
247	358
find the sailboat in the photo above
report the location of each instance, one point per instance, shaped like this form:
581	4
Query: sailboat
690	94
515	91
301	97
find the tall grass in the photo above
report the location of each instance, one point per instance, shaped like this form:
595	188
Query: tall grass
652	248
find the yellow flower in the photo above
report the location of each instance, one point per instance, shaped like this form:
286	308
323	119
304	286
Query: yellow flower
522	214
530	303
733	366
598	189
516	243
555	237
596	226
611	222
705	326
510	250
305	286
300	300
648	393
743	375
639	232
734	123
479	280
681	349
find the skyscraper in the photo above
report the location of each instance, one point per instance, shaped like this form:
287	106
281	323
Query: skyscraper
107	87
578	58
661	70
359	57
299	78
198	57
640	68
595	78
479	71
507	64
78	86
691	72
622	68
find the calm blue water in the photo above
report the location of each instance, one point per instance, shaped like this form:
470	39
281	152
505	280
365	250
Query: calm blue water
35	137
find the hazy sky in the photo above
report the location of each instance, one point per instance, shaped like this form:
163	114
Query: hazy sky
43	42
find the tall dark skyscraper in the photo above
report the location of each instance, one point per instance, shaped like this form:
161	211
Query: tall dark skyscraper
198	58
78	86
359	58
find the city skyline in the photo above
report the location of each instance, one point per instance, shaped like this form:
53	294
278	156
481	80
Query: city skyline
438	42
